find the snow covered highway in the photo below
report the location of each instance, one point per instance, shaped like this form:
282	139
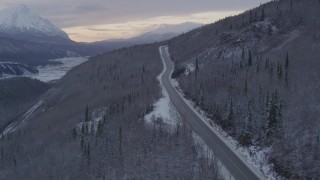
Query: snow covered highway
229	158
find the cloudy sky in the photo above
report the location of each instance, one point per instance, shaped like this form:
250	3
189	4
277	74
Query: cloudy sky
91	20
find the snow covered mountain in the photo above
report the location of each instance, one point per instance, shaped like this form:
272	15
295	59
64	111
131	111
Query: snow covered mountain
161	33
27	38
166	31
20	22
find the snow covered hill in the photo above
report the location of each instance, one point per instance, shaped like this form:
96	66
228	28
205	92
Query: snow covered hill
14	69
21	23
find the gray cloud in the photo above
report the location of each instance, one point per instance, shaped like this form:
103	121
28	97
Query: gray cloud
69	13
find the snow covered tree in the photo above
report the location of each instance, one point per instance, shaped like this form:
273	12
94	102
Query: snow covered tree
273	115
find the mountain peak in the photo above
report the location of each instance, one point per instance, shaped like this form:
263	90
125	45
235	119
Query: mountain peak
19	19
19	8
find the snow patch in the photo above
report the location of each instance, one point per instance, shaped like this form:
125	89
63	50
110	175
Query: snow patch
189	68
267	26
163	107
97	118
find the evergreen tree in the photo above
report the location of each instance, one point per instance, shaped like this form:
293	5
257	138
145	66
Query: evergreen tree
99	129
230	113
196	69
120	139
82	143
82	129
287	61
245	86
266	64
279	71
14	160
286	79
262	14
88	153
2	154
243	53
273	115
143	69
250	59
197	65
316	149
246	134
74	132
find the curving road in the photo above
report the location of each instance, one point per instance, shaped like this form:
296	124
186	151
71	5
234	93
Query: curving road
224	153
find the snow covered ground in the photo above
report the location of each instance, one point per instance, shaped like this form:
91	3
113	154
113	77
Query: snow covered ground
55	72
163	108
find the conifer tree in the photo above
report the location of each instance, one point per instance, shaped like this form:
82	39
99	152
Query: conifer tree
242	54
74	132
196	69
230	114
88	153
250	59
82	143
287	61
273	115
279	71
262	14
120	139
245	86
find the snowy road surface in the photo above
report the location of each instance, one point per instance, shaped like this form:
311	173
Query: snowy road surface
221	149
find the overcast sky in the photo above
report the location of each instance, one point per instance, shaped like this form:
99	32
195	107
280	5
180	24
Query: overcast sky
90	20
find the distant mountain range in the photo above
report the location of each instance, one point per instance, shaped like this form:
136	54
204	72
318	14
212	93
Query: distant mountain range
161	33
27	38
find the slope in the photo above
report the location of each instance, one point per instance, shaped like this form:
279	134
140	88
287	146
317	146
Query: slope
93	127
255	75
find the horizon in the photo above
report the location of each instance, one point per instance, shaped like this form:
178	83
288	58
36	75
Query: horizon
124	26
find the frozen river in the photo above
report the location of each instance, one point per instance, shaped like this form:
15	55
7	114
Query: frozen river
55	72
